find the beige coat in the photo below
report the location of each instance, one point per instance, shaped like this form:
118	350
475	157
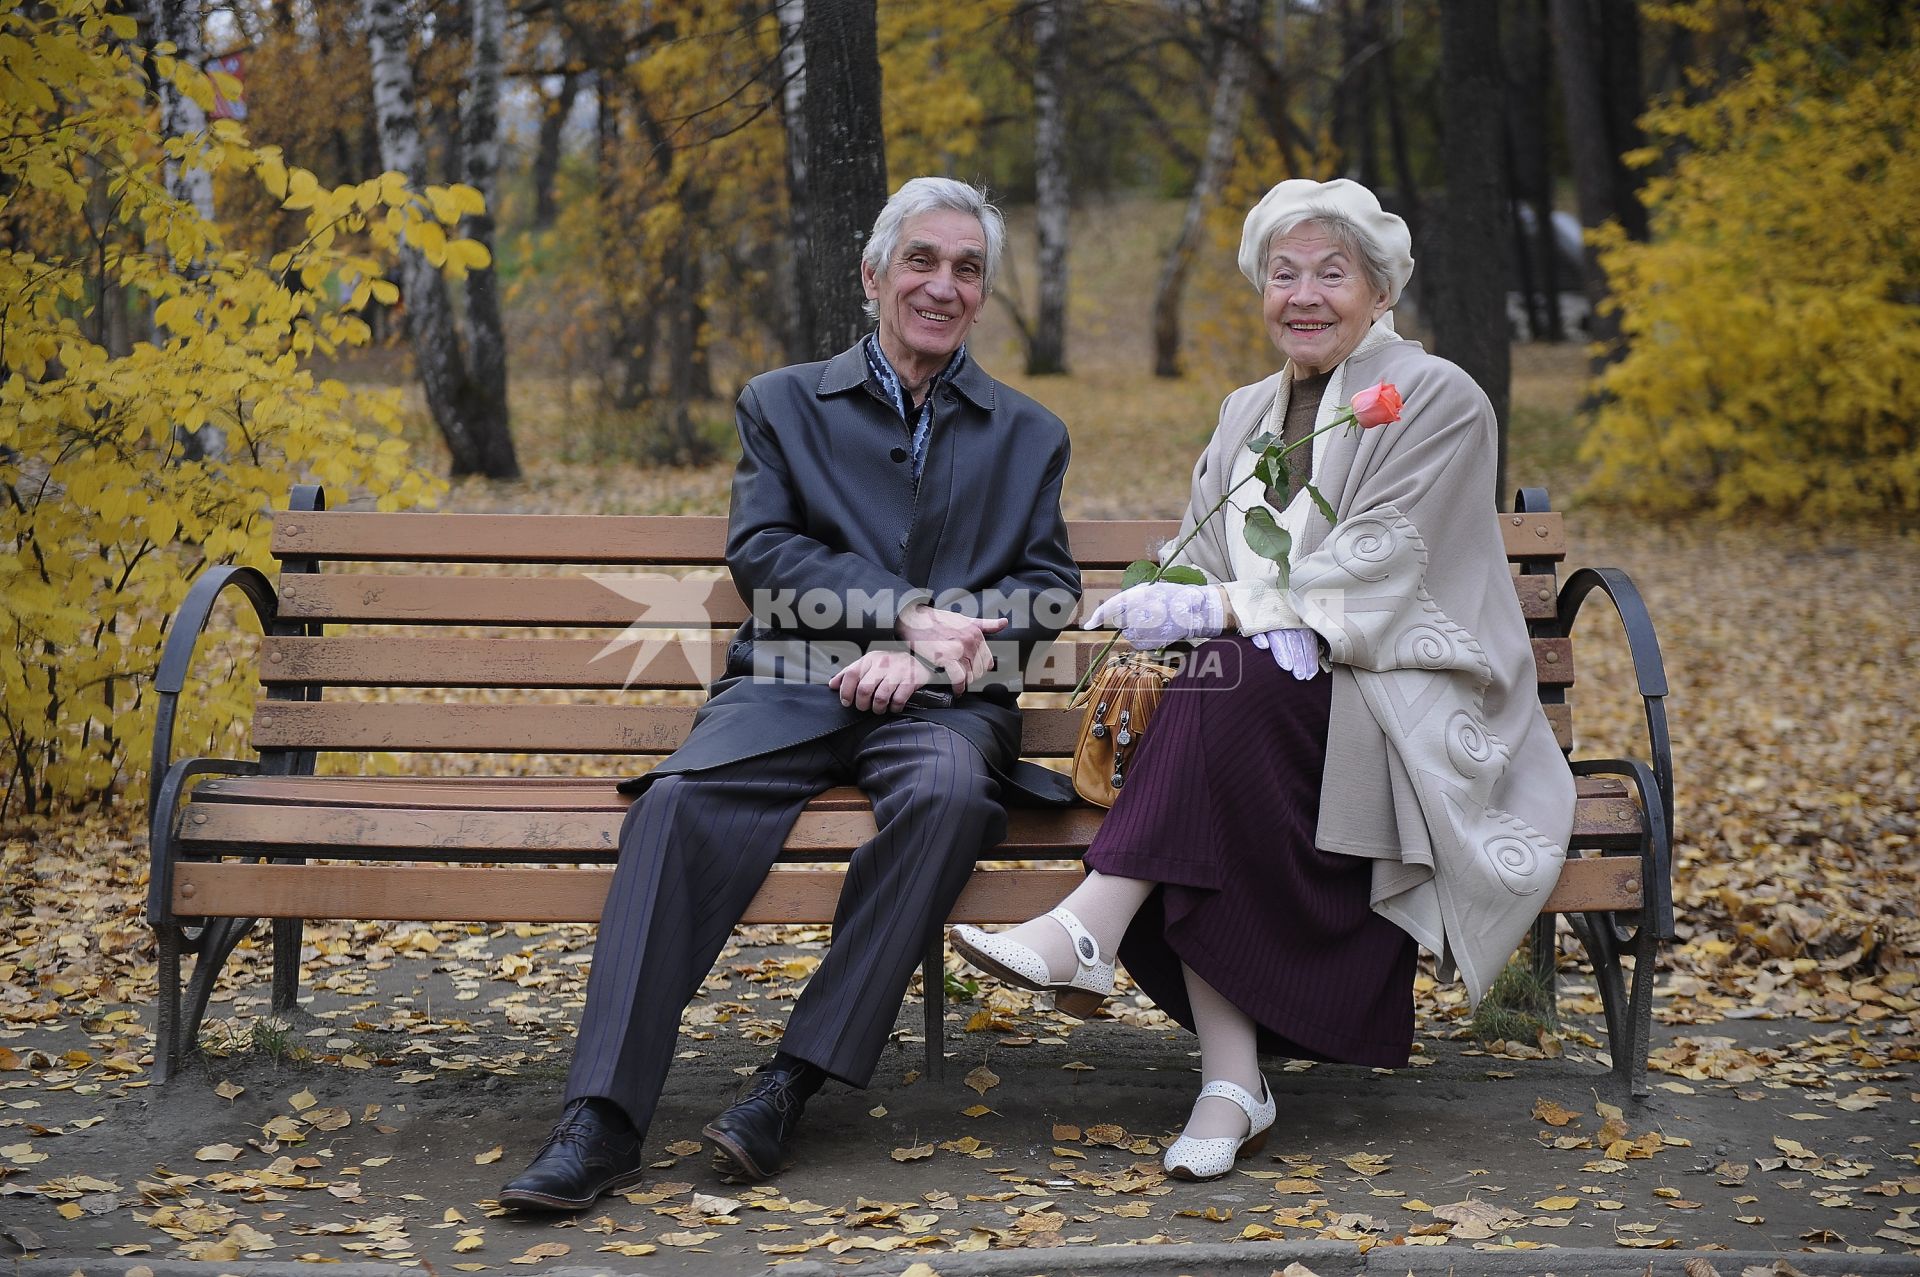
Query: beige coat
1441	766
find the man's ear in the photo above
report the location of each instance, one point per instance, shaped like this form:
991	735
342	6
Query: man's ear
869	280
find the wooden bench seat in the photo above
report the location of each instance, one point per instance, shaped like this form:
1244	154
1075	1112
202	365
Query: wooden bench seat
235	841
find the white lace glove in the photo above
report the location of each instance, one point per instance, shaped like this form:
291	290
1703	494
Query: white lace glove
1295	651
1156	613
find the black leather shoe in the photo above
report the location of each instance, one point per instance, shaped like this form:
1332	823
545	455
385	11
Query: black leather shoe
593	1150
750	1138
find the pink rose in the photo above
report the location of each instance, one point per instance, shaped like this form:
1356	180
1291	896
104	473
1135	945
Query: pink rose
1377	405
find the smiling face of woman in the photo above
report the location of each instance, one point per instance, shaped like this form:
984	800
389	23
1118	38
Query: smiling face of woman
1317	303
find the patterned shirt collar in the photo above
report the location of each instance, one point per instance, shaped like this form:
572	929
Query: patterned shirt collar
920	420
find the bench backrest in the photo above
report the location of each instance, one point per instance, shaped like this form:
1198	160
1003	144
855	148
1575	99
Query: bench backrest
372	604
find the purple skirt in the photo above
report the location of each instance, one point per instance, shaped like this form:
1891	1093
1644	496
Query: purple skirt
1220	806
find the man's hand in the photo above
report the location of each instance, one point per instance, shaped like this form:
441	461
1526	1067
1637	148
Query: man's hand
880	681
954	644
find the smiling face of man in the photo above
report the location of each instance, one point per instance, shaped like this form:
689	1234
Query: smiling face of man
931	294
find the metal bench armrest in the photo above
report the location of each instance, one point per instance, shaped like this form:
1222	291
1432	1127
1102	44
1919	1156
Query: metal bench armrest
1650	672
160	821
1656	861
177	656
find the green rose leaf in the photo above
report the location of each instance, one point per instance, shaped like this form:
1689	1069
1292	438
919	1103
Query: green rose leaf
1326	507
1181	574
1262	441
1270	471
1269	540
1139	572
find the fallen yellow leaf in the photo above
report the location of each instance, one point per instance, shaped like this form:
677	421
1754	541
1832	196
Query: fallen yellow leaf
489	1157
216	1153
545	1250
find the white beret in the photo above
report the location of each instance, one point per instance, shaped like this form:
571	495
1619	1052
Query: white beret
1300	195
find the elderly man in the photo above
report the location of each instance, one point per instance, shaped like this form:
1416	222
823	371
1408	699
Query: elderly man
895	526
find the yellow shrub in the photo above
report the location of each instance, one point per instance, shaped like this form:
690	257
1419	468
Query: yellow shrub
104	523
1773	321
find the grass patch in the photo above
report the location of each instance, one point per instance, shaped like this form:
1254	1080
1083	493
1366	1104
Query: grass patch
265	1038
1518	1008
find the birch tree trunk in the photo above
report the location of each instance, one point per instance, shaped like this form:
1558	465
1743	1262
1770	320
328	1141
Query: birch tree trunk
793	93
485	391
846	174
1223	126
1047	350
1469	289
180	23
431	329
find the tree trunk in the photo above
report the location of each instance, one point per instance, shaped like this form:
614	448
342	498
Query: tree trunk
546	157
429	309
486	388
1470	292
179	23
1223	125
846	172
1047	352
1604	188
793	93
1528	81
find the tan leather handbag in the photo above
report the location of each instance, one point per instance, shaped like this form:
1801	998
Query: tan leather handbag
1120	702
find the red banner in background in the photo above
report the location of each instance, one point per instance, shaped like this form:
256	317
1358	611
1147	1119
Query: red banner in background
224	107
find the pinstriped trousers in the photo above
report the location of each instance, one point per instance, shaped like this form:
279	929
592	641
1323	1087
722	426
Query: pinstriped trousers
696	846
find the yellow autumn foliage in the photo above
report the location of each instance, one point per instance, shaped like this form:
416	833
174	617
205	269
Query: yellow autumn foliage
1773	321
105	516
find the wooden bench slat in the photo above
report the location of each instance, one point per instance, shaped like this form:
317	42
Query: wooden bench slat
1539	600
678	539
589	832
421	727
416	599
688	539
651	664
409	727
244	827
607	600
560	793
439	893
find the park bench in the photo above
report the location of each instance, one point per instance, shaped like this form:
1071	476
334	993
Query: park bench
359	625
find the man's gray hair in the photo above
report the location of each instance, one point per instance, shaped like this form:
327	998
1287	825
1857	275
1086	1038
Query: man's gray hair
932	195
1348	235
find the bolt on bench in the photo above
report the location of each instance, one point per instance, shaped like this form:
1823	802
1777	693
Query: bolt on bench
234	841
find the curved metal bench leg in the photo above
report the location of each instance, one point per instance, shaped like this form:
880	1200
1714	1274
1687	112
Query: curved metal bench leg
1630	1056
1543	950
166	1029
216	942
933	1004
288	935
1596	934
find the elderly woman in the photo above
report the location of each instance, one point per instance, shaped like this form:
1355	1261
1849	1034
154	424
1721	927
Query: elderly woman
1347	767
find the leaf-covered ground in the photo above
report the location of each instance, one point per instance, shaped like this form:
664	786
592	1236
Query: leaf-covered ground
1789	1022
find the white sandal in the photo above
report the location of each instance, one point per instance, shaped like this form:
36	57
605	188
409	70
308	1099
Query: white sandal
1194	1159
1079	995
